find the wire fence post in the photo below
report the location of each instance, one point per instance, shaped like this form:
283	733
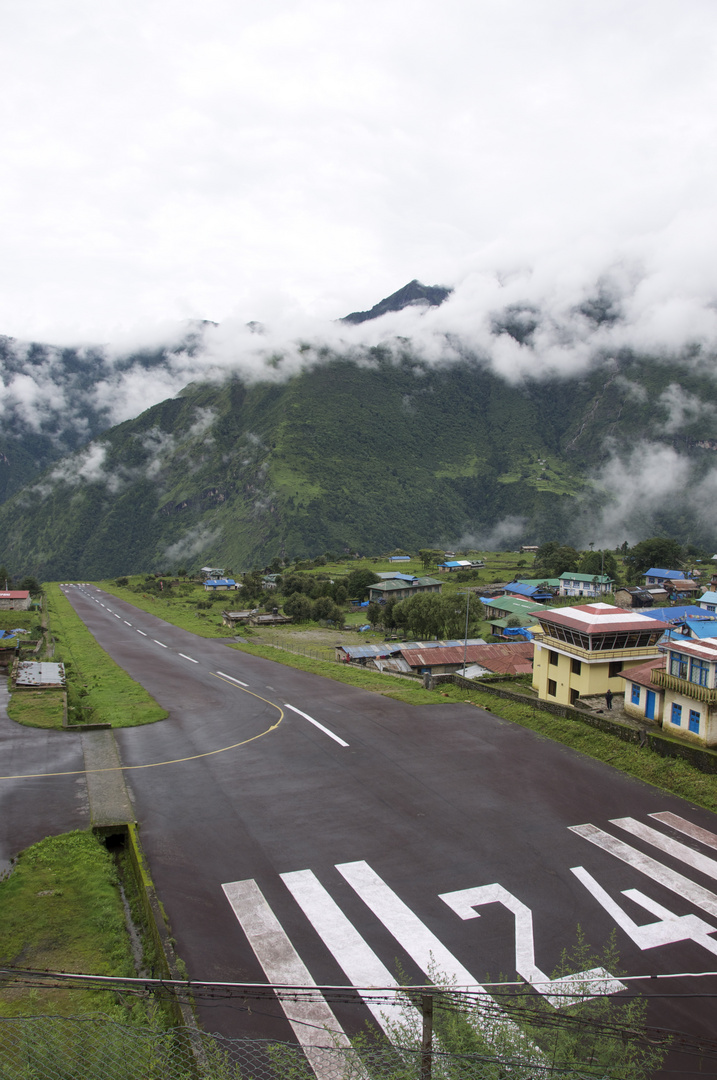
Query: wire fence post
426	1035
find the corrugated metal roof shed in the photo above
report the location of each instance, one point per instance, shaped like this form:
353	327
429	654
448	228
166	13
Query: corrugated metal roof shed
40	673
512	658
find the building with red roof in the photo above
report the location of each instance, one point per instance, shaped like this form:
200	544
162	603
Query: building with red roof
17	600
581	651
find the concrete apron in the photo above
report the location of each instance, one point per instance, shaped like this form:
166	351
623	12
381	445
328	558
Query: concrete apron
110	803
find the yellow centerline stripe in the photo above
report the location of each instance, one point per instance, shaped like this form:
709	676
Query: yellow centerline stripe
174	761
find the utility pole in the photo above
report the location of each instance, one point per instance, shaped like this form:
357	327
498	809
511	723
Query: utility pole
426	1036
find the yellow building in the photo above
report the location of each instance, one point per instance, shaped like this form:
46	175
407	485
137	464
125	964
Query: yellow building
581	651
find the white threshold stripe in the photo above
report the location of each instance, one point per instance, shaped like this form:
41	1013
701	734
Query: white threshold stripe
680	824
653	869
159	643
695	859
185	657
421	944
142	633
312	1021
232	679
350	951
316	724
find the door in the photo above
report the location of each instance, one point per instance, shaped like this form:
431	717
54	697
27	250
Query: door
650	705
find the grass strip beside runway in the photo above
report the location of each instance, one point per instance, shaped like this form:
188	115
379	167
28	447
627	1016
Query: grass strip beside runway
671	774
98	689
62	911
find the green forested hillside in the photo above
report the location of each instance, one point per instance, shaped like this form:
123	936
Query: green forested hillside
362	456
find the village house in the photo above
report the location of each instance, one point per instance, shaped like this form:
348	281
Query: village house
708	601
15	600
657	576
502	607
401	589
678	691
634	598
573	584
220	584
538	591
581	651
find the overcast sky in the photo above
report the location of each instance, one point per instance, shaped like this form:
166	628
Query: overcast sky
162	159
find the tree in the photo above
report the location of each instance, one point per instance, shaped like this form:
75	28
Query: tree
373	614
592	562
299	607
430	557
553	559
5	578
658	551
358	582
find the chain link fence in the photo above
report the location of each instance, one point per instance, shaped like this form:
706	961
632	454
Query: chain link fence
91	1048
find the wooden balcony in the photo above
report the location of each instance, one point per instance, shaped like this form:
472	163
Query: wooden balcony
663	678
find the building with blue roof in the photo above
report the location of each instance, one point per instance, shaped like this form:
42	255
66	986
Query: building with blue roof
655	576
708	601
530	592
673	614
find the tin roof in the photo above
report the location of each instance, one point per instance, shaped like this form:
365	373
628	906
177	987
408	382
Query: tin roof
601	579
671	575
598	618
34	673
698	628
642	674
708	598
17	594
514	658
674	614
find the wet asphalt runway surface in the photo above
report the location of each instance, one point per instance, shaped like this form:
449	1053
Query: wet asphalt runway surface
273	841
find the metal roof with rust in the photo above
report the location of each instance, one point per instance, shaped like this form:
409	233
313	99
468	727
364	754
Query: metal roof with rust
514	658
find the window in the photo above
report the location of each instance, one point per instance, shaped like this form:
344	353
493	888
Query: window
574	695
615	669
710	607
635	694
552	687
576	667
694	721
678	665
699	672
676	715
552	658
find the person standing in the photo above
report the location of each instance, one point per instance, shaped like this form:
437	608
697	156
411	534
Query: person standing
608	699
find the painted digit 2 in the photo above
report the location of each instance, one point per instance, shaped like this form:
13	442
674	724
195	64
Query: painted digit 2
580	986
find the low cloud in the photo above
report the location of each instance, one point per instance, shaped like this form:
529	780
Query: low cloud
499	536
198	539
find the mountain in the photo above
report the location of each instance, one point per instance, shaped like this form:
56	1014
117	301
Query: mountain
412	295
368	456
55	400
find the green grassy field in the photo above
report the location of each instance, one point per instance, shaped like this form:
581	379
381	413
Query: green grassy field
62	911
98	690
37	708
